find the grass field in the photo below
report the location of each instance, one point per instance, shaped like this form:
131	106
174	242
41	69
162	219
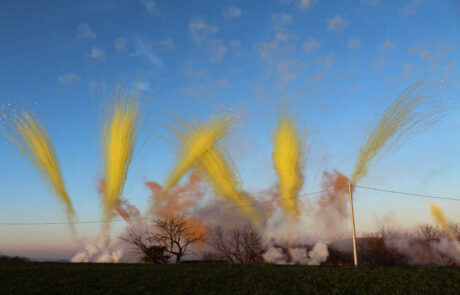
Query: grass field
66	278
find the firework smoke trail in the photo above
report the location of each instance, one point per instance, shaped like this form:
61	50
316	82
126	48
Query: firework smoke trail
404	118
32	140
288	160
219	172
119	134
198	149
441	220
195	142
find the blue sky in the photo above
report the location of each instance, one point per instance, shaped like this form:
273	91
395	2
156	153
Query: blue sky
336	64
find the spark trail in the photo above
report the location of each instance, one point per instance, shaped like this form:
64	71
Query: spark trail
119	133
409	114
32	139
288	161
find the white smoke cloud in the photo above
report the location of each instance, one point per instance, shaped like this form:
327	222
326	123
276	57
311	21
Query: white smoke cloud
100	252
298	255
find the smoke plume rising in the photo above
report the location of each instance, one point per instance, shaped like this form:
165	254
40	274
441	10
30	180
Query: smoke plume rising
182	199
329	212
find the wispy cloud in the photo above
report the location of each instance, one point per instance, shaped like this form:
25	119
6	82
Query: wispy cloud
120	44
284	36
69	79
231	12
151	6
164	44
304	4
411	7
425	54
380	62
327	60
145	50
192	71
202	33
370	2
387	45
281	20
288	71
267	49
97	53
311	44
84	32
337	23
354	43
200	30
301	4
217	49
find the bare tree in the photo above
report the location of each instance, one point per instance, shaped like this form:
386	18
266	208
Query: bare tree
144	242
241	245
176	235
429	232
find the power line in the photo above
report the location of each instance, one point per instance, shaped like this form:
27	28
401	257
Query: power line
255	204
408	194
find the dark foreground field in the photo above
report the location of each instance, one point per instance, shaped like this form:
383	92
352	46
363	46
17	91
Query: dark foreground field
65	278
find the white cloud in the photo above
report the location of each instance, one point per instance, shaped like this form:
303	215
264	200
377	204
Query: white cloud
151	6
425	54
235	46
120	44
284	36
281	20
202	34
301	4
407	70
311	44
370	2
231	12
288	71
190	70
217	49
96	86
97	53
142	85
267	49
337	24
144	49
200	30
411	7
69	79
317	77
84	32
222	83
304	4
327	60
165	44
354	43
380	62
387	45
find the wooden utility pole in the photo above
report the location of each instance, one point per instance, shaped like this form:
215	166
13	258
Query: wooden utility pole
352	216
